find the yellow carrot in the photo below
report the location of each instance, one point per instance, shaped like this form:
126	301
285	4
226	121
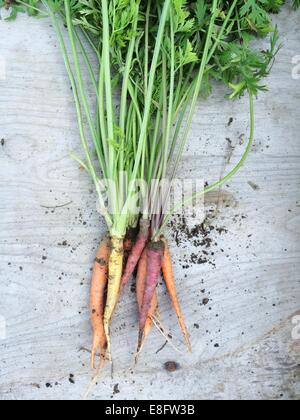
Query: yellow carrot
115	269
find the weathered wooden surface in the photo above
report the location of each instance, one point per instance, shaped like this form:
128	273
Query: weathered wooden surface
242	336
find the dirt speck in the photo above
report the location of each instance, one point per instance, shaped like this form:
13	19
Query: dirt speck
71	379
2	142
202	236
171	366
230	122
229	150
254	186
133	288
116	389
221	230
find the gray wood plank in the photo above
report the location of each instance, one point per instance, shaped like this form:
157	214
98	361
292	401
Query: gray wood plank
239	301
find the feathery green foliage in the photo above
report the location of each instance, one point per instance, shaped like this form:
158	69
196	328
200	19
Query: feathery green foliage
156	57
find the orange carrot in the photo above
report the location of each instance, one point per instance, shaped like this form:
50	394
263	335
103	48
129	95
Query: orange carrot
140	290
97	299
168	274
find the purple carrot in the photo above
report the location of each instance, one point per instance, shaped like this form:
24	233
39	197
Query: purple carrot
155	253
137	251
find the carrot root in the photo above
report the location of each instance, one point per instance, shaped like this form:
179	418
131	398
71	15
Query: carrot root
97	292
154	260
93	383
115	268
168	275
136	252
140	290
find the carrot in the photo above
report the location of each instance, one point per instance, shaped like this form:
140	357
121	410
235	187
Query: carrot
155	252
140	290
168	275
115	268
137	250
97	292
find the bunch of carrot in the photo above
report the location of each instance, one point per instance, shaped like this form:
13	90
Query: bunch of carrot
149	259
147	63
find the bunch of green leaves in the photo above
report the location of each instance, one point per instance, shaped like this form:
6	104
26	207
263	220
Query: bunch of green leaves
28	6
296	4
153	60
241	67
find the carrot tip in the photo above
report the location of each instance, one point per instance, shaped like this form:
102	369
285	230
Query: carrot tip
189	346
93	360
171	287
102	357
140	341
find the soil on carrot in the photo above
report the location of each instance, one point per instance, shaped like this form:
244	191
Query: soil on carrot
101	262
132	234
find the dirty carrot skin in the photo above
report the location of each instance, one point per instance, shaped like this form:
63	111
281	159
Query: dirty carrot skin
140	290
137	250
97	297
155	252
128	244
168	275
115	268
